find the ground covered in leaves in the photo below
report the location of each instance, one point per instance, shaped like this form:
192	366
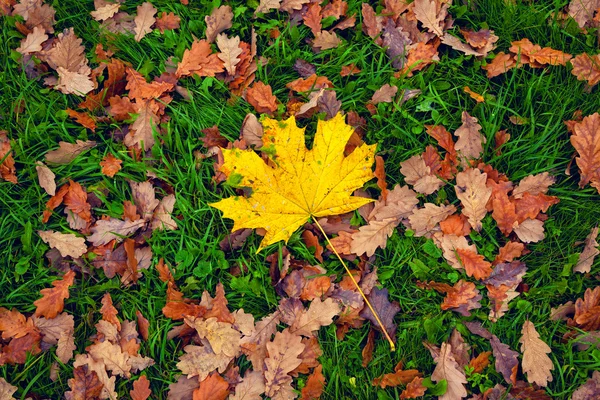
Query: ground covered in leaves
299	199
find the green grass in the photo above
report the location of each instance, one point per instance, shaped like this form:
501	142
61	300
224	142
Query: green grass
546	97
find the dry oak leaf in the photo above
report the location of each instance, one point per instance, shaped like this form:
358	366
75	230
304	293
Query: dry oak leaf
303	183
310	83
587	311
500	64
414	389
214	387
105	11
536	363
14	325
586	140
33	42
67	152
536	55
431	14
283	359
385	309
222	337
319	313
7	161
113	357
167	21
470	141
144	20
530	231
110	165
314	385
462	298
582	11
448	369
589	253
587	68
106	230
141	389
67	243
473	194
218	20
398	377
260	96
325	40
372	236
6	390
68	52
140	89
199	60
266	5
53	299
82	118
78	83
84	385
474	264
533	184
46	178
589	390
230	52
162	219
425	220
251	387
417	173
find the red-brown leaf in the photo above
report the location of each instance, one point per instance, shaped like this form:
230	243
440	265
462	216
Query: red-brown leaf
53	299
141	389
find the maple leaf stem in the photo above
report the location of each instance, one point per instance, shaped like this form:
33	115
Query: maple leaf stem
387	336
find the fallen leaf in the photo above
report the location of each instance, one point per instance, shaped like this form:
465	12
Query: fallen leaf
350	69
139	89
314	385
199	60
530	231
105	11
384	94
473	193
252	131
414	389
509	252
46	178
536	363
319	313
297	205
230	52
311	83
53	299
33	41
283	358
84	384
167	21
447	368
67	152
251	387
589	390
7	165
110	165
141	389
470	141
589	253
219	19
500	64
462	298
68	244
372	236
425	220
213	387
398	377
586	67
312	18
106	230
582	11
385	309
431	14
261	98
586	140
480	363
372	23
474	95
144	20
326	40
474	264
78	83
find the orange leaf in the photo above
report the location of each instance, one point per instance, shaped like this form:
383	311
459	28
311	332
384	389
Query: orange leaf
82	118
143	324
109	312
462	297
163	271
7	162
167	21
480	362
141	389
367	351
509	252
314	385
474	264
14	325
219	307
261	98
474	95
504	212
349	69
456	224
586	140
199	60
399	377
499	65
311	240
140	89
414	389
313	82
312	18
529	206
380	175
214	387
110	165
53	299
76	200
587	68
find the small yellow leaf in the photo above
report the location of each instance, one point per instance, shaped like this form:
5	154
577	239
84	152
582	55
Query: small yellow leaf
298	183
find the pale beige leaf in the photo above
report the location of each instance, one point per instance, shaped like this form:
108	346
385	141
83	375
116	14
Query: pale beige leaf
530	231
428	184
66	346
255	345
373	236
66	243
250	388
427	13
67	152
589	253
291	5
582	11
533	184
470	141
106	230
399	204
222	337
418	174
144	20
52	328
144	198
33	42
68	53
252	131
267	5
384	94
25	6
283	359
447	368
536	363
105	12
46	178
229	52
425	220
78	83
244	322
459	45
326	40
162	219
218	20
473	194
319	313
201	361
112	356
6	390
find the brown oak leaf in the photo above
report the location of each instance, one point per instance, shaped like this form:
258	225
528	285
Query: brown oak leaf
144	20
260	96
536	363
53	299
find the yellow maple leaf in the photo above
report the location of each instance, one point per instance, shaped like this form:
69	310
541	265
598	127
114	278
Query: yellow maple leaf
296	184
